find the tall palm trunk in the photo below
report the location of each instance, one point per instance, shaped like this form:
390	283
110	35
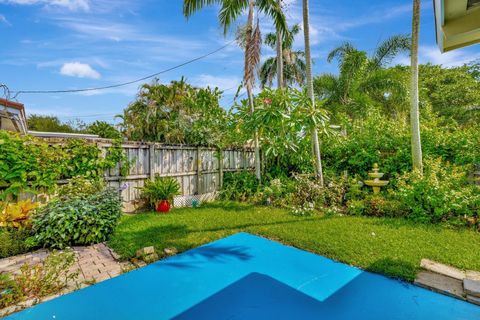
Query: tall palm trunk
308	58
249	84
414	112
280	81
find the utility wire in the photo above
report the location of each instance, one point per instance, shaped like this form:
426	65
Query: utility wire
124	83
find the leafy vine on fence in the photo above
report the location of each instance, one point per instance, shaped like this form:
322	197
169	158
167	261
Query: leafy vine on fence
29	164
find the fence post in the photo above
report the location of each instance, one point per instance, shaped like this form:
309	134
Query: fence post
199	170
220	168
151	161
244	159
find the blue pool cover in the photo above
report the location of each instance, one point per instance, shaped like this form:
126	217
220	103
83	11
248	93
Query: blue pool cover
249	277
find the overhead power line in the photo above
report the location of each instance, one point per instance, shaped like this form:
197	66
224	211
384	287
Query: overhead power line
124	83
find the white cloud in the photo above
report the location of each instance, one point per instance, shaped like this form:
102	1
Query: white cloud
221	82
81	70
432	54
448	59
73	5
3	20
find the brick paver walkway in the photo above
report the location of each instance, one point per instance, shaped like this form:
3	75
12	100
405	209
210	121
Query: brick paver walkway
94	264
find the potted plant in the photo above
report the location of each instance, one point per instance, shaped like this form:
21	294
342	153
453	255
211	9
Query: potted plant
160	192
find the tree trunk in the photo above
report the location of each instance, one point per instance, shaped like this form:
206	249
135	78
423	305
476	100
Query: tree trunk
308	58
280	81
414	110
249	85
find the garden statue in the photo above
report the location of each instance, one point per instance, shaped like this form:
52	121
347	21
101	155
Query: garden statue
376	183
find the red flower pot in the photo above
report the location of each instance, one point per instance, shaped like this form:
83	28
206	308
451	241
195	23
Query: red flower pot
163	206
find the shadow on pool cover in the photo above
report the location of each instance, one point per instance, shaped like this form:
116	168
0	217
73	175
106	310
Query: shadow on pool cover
258	296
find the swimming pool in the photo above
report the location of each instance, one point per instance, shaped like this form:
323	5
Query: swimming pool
248	277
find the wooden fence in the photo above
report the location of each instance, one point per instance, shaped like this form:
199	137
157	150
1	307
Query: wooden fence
198	170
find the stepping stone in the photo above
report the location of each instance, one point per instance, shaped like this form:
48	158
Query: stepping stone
440	283
472	287
442	269
474	300
473	275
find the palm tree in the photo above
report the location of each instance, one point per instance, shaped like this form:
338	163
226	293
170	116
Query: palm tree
279	47
308	57
293	61
363	79
229	12
414	112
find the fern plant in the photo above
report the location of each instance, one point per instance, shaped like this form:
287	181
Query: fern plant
160	189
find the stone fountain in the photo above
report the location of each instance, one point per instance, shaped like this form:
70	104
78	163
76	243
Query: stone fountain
376	183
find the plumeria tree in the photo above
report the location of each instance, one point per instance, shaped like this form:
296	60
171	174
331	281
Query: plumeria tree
229	12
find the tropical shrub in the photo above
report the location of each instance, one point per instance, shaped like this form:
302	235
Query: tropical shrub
36	281
160	189
282	118
104	130
80	187
78	220
176	113
239	186
13	242
382	140
441	194
16	214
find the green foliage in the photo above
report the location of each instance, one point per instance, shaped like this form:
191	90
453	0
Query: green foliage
176	113
363	83
39	280
81	159
383	140
441	194
239	186
282	117
77	220
9	291
80	187
160	189
28	164
104	130
37	122
12	242
451	92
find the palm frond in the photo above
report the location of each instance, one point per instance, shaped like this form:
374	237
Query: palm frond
389	48
326	85
192	6
267	72
271	40
340	52
272	9
230	11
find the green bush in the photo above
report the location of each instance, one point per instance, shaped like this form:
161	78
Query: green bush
12	242
239	186
160	189
77	221
39	280
80	187
441	194
386	141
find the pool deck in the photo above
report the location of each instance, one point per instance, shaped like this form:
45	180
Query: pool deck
249	277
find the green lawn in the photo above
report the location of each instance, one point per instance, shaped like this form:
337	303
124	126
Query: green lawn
389	246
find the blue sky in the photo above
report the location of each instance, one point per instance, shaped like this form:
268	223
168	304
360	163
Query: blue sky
69	44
